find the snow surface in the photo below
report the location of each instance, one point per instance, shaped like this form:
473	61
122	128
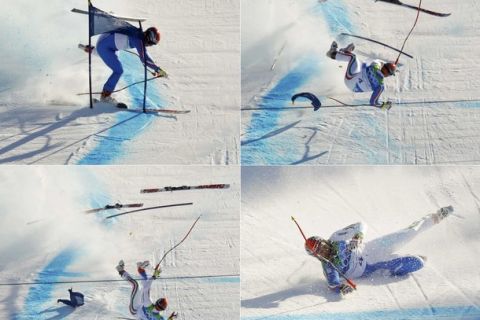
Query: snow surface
43	121
283	52
280	281
46	236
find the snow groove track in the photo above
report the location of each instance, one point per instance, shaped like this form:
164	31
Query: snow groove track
444	69
280	281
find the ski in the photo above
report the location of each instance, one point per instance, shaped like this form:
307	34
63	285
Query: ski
205	186
173	111
434	13
115	206
377	42
150	208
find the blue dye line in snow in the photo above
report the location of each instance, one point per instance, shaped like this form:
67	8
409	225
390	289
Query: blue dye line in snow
256	146
222	280
110	146
39	297
431	313
336	16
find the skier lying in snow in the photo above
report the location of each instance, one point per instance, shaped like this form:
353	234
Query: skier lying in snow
140	304
76	299
107	46
363	77
345	250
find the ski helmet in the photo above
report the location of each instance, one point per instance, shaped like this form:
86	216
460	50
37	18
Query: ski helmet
161	304
313	245
390	67
152	36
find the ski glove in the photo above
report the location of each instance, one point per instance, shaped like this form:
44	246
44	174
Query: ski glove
356	241
345	289
157	272
173	315
160	73
386	105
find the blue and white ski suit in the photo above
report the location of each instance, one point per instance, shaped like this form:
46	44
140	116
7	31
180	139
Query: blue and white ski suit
107	46
363	77
356	260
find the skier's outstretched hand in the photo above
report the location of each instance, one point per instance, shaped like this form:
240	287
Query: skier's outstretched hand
157	272
356	241
160	74
173	315
345	289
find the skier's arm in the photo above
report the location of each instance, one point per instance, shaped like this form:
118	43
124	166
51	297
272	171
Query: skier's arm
356	230
145	57
376	96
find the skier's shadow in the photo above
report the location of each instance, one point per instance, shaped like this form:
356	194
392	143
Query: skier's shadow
272	133
60	312
317	288
47	130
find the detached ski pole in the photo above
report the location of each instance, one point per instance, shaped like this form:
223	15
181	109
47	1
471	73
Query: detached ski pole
190	230
350	282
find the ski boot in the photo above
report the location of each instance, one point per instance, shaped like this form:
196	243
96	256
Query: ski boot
107	98
387	105
333	50
142	265
444	212
120	267
348	49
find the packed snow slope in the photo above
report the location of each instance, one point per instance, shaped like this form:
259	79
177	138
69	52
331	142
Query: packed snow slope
279	280
47	237
44	121
436	102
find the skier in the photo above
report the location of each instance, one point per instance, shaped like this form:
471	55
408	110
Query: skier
140	304
107	46
363	77
346	252
76	299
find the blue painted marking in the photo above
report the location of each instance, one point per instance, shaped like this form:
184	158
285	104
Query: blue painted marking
336	16
433	313
39	297
222	280
256	146
264	142
110	145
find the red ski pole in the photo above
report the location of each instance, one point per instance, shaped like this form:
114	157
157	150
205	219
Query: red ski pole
179	243
350	282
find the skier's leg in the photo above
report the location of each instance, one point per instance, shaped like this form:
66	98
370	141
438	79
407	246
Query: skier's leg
354	66
106	50
145	292
134	304
378	249
397	267
67	302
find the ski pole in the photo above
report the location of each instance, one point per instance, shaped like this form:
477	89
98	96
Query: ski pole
190	230
350	282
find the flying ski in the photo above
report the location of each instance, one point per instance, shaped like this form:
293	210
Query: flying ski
180	188
115	206
434	13
377	42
